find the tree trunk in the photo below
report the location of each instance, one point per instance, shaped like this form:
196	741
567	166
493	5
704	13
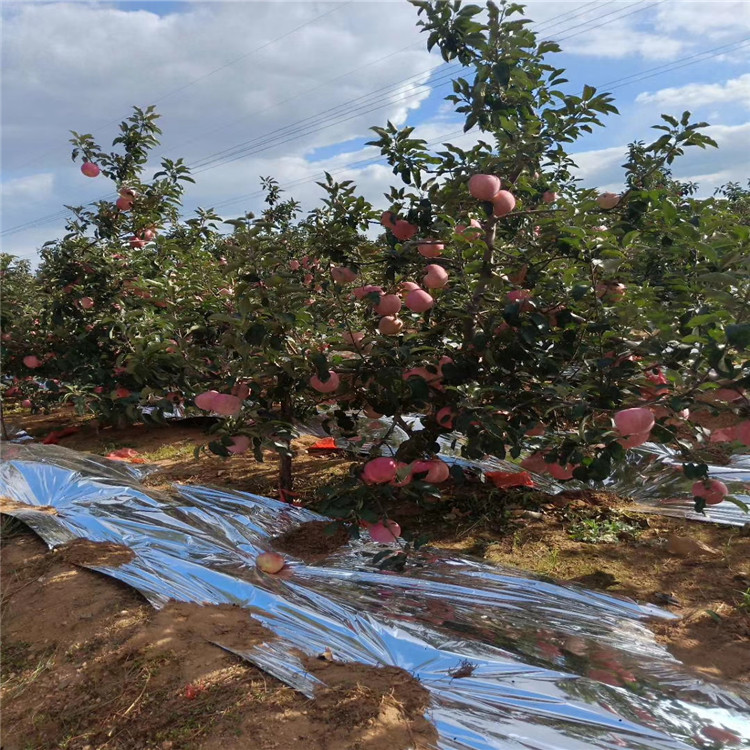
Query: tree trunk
286	478
3	428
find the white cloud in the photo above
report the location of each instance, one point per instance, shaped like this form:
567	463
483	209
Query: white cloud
734	91
34	187
601	168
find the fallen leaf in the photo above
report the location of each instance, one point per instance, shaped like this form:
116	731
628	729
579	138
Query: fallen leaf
685	546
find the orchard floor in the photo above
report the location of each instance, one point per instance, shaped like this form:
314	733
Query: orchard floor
86	676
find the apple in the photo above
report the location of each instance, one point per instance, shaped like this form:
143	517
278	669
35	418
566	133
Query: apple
353	338
430	249
549	196
384	532
90	169
437	470
388	219
342	275
294	265
473	230
26	403
390	325
436	277
445	417
635	421
419	301
607	200
124	204
270	562
240	443
612	291
408	286
711	490
206	400
484	187
503	203
403	230
742	432
379	470
328	386
86	303
32	361
389	304
633	441
362	291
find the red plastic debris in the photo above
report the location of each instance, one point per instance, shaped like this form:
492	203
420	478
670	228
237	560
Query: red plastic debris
56	435
325	444
505	479
126	454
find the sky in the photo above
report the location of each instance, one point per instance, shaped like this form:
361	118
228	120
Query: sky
290	90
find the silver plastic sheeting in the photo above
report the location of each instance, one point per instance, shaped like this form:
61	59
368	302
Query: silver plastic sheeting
511	661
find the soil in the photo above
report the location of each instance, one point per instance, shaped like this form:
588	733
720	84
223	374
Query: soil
8	505
108	671
143	696
313	541
95	554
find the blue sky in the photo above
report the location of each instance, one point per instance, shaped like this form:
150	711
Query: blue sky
238	77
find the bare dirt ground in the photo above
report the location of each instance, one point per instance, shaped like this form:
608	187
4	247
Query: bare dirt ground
86	663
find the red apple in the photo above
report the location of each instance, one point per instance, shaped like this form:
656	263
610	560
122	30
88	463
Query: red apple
484	187
608	200
634	421
711	490
430	249
436	277
90	169
379	470
403	230
342	275
419	301
503	203
270	562
328	386
390	325
389	304
385	532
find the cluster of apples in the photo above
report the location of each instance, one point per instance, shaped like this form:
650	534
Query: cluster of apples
487	187
386	470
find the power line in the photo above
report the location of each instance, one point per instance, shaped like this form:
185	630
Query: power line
537	27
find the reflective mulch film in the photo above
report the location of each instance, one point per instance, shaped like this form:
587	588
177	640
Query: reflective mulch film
511	661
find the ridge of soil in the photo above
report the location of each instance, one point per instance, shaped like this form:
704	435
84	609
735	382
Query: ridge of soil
95	554
312	541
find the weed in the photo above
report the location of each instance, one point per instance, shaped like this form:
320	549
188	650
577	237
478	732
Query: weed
593	531
744	604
